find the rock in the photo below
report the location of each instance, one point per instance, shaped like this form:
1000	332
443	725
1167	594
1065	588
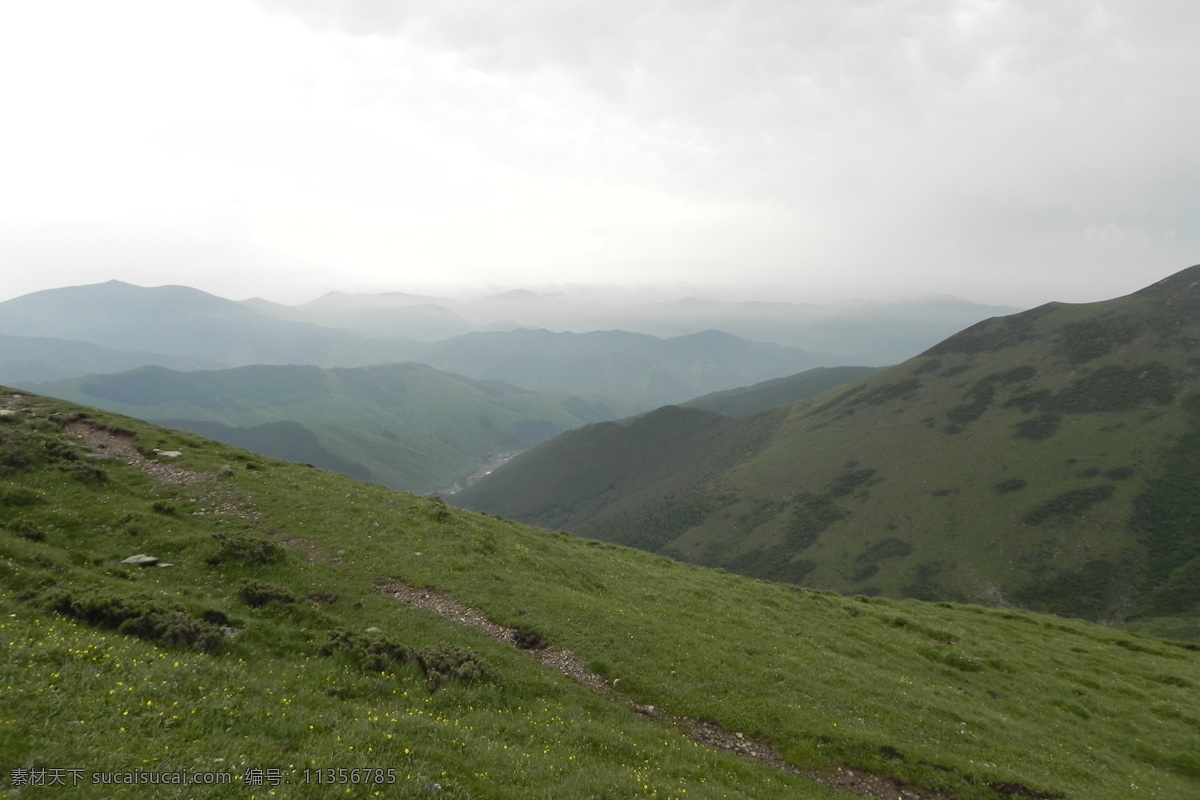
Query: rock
373	629
168	453
143	560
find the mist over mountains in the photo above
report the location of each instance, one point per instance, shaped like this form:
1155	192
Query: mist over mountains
1046	459
1040	459
358	330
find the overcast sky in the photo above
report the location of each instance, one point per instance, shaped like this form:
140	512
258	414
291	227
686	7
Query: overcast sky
1003	152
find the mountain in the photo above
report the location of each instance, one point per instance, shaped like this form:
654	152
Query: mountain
860	332
627	368
192	613
392	314
1045	459
183	322
34	358
407	426
750	400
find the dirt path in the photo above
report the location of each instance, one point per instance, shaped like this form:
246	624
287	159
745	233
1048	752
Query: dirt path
863	784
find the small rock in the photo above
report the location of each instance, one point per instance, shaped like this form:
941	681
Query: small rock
168	453
373	629
141	560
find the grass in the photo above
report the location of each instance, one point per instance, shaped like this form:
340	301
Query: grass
977	703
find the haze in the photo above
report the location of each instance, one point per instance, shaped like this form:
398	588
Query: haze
1004	152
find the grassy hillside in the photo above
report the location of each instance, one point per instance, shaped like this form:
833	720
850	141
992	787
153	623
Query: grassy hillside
31	358
283	645
406	426
632	369
749	400
1048	460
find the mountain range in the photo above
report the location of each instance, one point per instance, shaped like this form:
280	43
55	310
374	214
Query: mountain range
1046	459
186	328
406	426
860	332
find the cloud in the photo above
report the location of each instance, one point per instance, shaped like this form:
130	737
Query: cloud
975	140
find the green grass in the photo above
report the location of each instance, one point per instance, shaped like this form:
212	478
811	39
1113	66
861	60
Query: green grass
966	700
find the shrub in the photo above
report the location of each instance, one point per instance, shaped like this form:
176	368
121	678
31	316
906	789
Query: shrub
449	662
371	653
136	616
1069	504
244	548
258	593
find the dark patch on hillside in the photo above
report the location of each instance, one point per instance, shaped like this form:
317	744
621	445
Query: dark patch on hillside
1118	388
1089	339
1166	521
993	334
883	550
1040	427
651	527
751	400
981	395
1092	590
1069	505
888	391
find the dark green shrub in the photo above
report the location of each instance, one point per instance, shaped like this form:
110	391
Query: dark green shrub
445	662
245	548
371	653
1069	504
136	616
26	530
258	593
19	497
87	474
1042	426
1010	485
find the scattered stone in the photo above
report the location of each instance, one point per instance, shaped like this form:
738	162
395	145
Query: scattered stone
373	629
168	453
143	560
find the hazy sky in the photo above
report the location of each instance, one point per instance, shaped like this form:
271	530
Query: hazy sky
1005	152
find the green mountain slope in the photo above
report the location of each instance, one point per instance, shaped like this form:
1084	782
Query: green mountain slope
1047	459
750	400
406	426
633	369
315	636
33	358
